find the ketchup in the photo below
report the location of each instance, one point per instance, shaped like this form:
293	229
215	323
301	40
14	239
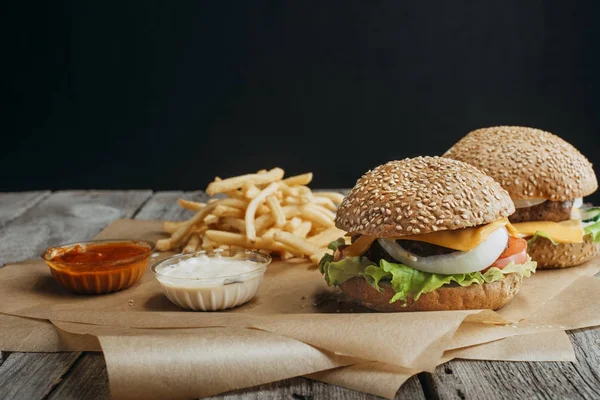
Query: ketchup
100	253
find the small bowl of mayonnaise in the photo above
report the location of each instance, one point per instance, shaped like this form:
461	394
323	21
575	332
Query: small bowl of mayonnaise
212	280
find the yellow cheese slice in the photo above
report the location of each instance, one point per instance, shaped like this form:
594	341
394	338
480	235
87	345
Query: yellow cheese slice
569	231
360	246
463	239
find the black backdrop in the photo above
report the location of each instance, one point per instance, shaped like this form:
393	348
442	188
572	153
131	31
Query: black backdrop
165	95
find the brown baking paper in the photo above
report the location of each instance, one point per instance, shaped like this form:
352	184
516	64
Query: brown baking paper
293	301
199	362
34	335
384	380
371	377
544	346
304	309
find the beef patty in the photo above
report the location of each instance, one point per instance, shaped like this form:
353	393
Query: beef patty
421	249
547	211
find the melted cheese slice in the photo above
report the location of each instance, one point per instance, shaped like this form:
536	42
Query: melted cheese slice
569	231
360	246
463	239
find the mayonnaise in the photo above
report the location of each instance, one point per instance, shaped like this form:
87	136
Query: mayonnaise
209	283
213	269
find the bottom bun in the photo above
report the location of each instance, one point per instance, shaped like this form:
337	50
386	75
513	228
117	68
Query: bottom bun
449	297
561	255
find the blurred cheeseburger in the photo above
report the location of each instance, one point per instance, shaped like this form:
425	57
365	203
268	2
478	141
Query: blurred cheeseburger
546	178
427	234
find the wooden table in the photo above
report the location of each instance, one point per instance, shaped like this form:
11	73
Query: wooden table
33	220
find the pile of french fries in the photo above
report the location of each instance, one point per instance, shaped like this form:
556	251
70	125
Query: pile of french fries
261	211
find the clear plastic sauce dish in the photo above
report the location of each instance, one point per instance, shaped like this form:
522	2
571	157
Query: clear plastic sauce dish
211	281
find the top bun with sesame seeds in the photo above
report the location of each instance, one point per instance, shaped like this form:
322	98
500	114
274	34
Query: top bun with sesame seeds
529	163
421	195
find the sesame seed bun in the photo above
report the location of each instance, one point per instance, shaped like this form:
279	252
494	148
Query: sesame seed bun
449	297
562	255
529	163
421	195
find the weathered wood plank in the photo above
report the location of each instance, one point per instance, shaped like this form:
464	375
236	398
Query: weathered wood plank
64	217
515	380
61	217
296	388
12	205
87	379
586	343
33	375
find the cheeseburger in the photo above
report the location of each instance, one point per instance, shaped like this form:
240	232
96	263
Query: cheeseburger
427	234
546	178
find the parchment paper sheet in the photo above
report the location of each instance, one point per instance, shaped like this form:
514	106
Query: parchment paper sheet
132	356
384	379
293	303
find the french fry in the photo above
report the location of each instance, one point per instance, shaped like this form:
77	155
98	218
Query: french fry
270	232
299	244
237	182
287	190
262	211
303	230
251	191
316	216
264	222
211	219
293	224
238	239
337	198
236	223
164	244
192	244
304	193
327	236
291	200
199	230
303	179
227	211
276	210
325	202
251	210
322	209
183	230
190	205
236	194
207	244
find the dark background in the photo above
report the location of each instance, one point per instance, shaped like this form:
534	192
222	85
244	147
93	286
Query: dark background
166	95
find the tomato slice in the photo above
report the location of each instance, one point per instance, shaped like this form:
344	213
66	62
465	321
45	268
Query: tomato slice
516	252
515	245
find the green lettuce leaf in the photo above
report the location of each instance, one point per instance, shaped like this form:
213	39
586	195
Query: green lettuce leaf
539	234
339	272
335	244
408	282
594	231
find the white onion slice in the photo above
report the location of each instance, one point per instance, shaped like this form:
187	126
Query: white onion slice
524	203
578	202
459	262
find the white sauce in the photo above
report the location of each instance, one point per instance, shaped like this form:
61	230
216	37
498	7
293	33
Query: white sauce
211	283
216	269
